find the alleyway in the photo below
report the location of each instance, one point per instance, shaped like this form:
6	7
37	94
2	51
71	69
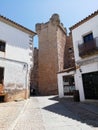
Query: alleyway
47	113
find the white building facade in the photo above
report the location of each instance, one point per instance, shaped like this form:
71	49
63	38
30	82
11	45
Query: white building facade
16	46
85	42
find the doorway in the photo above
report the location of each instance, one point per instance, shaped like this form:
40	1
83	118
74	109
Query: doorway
1	75
68	85
90	85
1	79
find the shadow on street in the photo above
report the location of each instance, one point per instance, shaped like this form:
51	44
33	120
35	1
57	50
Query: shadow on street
85	112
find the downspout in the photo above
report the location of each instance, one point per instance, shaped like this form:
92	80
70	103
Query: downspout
26	84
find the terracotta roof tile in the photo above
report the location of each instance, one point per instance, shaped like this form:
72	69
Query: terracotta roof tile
16	25
84	20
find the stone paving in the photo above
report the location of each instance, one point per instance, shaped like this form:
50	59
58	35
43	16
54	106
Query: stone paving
58	116
87	112
31	118
47	113
9	112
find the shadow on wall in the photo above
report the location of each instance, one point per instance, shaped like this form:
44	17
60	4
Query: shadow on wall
82	112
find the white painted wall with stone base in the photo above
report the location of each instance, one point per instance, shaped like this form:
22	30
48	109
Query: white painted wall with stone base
16	59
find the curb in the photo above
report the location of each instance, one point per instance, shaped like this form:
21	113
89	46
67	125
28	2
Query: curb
16	120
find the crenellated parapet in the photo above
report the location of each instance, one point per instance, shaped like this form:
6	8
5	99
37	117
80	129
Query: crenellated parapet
38	27
55	19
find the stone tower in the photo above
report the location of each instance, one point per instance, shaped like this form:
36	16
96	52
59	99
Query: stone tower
34	72
52	40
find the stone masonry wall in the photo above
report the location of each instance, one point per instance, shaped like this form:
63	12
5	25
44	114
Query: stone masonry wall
61	43
47	60
69	53
51	37
34	71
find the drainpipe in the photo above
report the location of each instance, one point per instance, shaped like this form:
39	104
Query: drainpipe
26	82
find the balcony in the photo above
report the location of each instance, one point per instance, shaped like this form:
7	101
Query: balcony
88	48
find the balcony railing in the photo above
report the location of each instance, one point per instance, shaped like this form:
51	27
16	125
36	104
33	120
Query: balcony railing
90	47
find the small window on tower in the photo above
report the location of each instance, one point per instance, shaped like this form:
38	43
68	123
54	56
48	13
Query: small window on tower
70	50
2	46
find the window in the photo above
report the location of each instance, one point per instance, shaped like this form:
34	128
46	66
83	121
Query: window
88	37
2	46
70	50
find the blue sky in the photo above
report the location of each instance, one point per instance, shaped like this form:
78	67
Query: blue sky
30	12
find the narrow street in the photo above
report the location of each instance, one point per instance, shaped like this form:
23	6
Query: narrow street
47	113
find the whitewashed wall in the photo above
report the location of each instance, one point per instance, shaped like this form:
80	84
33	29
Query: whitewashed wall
17	42
18	50
83	29
14	74
77	34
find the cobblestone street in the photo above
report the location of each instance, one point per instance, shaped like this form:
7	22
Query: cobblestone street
9	112
47	113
